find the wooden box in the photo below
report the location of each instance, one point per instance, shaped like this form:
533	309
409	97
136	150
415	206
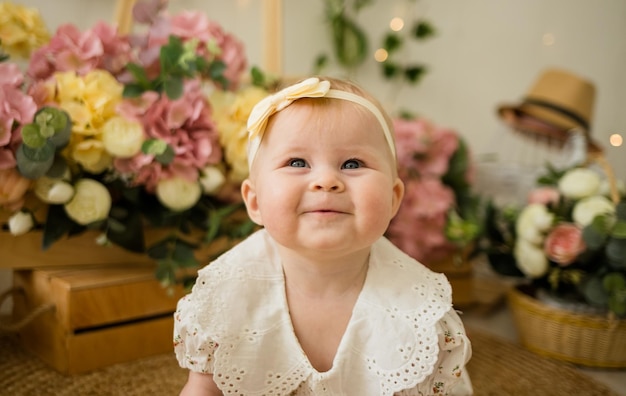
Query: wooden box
99	315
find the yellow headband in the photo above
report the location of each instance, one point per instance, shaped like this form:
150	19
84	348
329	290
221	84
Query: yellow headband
309	88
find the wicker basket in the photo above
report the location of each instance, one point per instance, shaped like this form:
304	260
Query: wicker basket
594	341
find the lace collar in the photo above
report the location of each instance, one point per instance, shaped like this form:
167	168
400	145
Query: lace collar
390	343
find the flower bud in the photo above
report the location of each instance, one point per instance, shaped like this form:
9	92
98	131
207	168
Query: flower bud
212	179
587	209
178	194
91	202
579	183
530	259
53	191
20	223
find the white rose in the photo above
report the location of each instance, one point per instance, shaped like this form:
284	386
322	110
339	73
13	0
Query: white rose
20	223
177	193
579	183
91	202
53	191
212	179
605	188
530	259
122	137
587	209
533	221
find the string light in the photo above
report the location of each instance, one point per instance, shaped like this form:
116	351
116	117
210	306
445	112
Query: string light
381	55
616	140
396	24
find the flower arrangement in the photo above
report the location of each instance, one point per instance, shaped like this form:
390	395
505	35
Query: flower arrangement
439	214
570	240
118	132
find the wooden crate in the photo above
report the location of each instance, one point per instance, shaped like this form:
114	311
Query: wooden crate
101	315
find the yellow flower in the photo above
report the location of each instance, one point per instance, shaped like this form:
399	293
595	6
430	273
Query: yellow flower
231	111
22	30
90	100
91	202
122	137
91	155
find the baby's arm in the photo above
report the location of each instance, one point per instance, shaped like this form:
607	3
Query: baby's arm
200	385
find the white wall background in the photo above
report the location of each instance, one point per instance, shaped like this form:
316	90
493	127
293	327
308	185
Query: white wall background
487	52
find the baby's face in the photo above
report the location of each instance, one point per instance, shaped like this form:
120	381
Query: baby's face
323	179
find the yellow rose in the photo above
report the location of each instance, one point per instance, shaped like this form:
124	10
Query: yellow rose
91	202
231	111
22	30
212	179
91	155
122	137
178	194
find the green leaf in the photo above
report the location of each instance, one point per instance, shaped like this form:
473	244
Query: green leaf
184	255
414	73
614	282
349	41
594	292
620	210
154	147
133	90
619	230
32	137
173	87
392	42
28	160
423	29
321	62
167	156
170	54
56	226
592	238
126	229
390	70
139	74
616	253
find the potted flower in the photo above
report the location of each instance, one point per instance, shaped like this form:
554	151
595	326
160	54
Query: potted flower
569	244
438	220
118	133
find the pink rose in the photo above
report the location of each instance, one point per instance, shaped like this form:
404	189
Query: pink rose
564	243
544	196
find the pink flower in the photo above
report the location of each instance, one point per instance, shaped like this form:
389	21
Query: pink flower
419	227
16	109
544	196
564	243
184	124
424	148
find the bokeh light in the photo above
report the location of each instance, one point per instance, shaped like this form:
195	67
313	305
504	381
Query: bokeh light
381	55
616	140
396	24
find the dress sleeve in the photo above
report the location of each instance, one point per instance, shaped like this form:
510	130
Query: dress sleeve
194	349
449	376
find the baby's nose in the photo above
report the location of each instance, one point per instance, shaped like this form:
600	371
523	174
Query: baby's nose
327	180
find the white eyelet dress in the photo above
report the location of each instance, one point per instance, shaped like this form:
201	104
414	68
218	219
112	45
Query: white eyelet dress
403	338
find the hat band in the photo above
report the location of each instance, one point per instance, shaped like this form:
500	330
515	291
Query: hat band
567	113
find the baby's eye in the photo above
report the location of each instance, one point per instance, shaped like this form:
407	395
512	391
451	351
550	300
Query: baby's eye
297	163
352	164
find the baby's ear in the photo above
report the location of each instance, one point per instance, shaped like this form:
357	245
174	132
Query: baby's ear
398	194
248	192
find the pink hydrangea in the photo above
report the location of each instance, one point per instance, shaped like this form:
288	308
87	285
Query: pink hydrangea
185	124
190	25
424	148
16	109
419	227
72	50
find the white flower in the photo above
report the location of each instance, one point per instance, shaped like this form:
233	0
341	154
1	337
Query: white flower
533	222
122	137
530	259
177	193
212	179
91	202
579	183
587	209
20	223
53	191
605	187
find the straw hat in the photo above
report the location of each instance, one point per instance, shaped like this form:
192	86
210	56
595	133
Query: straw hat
558	102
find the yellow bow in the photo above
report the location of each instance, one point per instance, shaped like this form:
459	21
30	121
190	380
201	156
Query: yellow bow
309	88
